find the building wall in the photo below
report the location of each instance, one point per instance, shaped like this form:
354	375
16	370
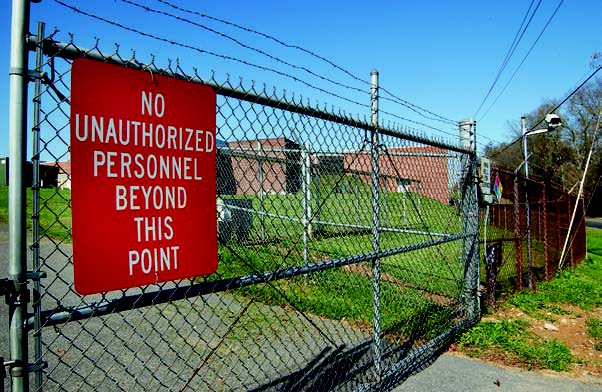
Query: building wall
425	169
280	166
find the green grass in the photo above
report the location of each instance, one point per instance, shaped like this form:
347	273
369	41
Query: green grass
55	212
594	327
338	293
511	339
580	287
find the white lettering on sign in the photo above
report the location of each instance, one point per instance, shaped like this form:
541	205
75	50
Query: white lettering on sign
148	104
153	260
99	129
143	152
114	164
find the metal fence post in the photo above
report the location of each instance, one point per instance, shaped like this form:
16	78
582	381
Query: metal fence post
306	202
261	191
470	217
17	265
517	234
546	242
36	184
527	205
375	223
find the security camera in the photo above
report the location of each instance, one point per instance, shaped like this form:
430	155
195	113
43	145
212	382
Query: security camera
553	121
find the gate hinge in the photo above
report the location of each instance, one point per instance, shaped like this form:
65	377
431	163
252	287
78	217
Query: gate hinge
33	75
29	368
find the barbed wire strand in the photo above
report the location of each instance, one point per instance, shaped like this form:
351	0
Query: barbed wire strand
244	45
211	53
395	98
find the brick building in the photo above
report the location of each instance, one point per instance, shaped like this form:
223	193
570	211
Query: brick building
273	162
421	169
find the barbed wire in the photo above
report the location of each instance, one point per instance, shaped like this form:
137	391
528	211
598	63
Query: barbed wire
417	109
211	53
417	123
244	45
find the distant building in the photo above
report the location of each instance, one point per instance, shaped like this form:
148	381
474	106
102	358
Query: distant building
421	169
58	174
271	165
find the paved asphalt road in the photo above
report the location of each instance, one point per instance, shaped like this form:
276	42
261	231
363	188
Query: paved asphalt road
451	373
597	223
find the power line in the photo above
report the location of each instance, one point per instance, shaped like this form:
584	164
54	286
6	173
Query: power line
524	58
418	123
415	108
549	112
570	95
211	53
520	33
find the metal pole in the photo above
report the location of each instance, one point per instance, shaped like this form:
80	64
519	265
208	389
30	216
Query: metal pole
546	239
261	191
375	225
306	202
315	171
357	192
527	205
17	265
37	100
470	217
518	235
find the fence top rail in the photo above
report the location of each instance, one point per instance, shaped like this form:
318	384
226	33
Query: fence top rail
70	51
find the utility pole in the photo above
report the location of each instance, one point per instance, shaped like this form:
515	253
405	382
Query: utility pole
527	206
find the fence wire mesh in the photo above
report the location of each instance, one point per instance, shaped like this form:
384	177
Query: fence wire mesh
302	299
550	210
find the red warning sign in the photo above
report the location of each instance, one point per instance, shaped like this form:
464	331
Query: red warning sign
142	178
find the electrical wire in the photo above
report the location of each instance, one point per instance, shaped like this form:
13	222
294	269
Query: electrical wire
516	140
523	60
520	33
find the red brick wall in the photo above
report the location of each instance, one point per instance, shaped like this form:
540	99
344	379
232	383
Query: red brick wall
427	170
246	170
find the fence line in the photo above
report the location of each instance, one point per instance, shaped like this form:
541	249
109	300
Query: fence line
550	213
320	282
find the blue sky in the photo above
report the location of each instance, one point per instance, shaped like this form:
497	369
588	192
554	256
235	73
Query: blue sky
440	55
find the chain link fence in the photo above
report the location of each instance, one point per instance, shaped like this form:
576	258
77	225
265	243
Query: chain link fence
348	253
520	254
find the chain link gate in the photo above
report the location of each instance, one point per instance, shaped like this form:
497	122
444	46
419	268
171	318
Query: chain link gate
348	253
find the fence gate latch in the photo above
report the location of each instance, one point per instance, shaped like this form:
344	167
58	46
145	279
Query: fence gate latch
3	374
7	290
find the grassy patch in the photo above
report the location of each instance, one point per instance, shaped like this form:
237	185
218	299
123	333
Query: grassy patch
594	327
337	293
511	340
580	287
55	212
